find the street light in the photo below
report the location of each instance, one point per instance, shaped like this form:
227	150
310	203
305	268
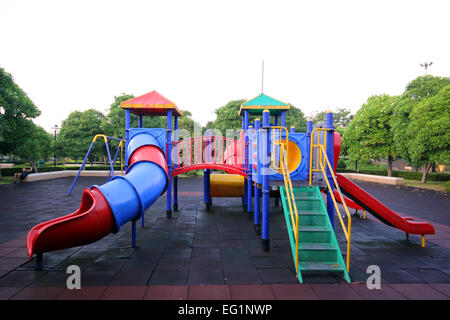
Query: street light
55	130
425	65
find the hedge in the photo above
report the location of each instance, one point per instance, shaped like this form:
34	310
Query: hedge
10	171
410	175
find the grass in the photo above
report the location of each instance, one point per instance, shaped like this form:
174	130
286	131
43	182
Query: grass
363	165
433	185
6	180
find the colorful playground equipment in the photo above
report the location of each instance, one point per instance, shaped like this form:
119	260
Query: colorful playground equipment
267	158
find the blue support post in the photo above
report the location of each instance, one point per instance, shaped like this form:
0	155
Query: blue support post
207	172
257	217
169	164
127	136
244	199
206	188
246	159
292	129
175	179
127	140
265	241
330	156
309	129
283	118
249	175
276	121
140	122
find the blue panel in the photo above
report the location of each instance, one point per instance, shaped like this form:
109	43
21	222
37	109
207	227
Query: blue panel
300	173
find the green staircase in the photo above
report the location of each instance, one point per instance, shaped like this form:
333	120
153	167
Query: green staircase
318	248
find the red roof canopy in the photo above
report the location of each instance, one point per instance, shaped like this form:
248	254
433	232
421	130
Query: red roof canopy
152	103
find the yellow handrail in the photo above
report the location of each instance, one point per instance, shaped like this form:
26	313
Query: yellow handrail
100	136
322	163
283	144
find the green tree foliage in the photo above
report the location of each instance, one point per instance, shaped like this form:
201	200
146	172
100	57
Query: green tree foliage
114	123
77	132
16	112
295	118
429	130
187	123
416	91
341	117
37	145
228	116
369	135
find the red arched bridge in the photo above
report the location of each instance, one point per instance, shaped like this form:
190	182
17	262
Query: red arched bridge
209	152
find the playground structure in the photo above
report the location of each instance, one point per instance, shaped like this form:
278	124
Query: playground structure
267	158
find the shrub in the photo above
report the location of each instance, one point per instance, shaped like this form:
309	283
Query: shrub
341	164
447	186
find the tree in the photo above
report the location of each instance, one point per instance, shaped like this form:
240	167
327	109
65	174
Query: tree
416	91
341	117
35	146
295	118
187	123
16	112
369	135
228	116
429	130
77	132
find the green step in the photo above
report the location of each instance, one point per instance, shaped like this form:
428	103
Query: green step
311	219
321	266
314	234
318	247
317	252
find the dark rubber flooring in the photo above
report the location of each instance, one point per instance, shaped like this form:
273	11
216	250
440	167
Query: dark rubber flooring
200	247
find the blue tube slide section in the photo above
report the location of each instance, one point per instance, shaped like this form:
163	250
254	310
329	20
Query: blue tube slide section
130	195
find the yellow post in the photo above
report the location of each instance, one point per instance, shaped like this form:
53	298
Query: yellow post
364	214
423	241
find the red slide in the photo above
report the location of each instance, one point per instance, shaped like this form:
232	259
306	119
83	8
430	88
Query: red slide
380	211
363	199
348	202
91	222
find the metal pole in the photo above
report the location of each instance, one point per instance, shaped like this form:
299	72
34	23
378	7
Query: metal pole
330	156
257	216
81	168
169	165
249	168
309	129
265	241
175	179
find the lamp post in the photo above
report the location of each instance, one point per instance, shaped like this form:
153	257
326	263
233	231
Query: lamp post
55	130
425	65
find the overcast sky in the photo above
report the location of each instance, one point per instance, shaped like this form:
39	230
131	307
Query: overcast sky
318	55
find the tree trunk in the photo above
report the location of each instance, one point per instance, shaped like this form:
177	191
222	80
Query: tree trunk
390	166
425	172
433	167
33	164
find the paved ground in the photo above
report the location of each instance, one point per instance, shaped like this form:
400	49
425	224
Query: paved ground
200	254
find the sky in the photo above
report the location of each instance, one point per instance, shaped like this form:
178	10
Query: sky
318	55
